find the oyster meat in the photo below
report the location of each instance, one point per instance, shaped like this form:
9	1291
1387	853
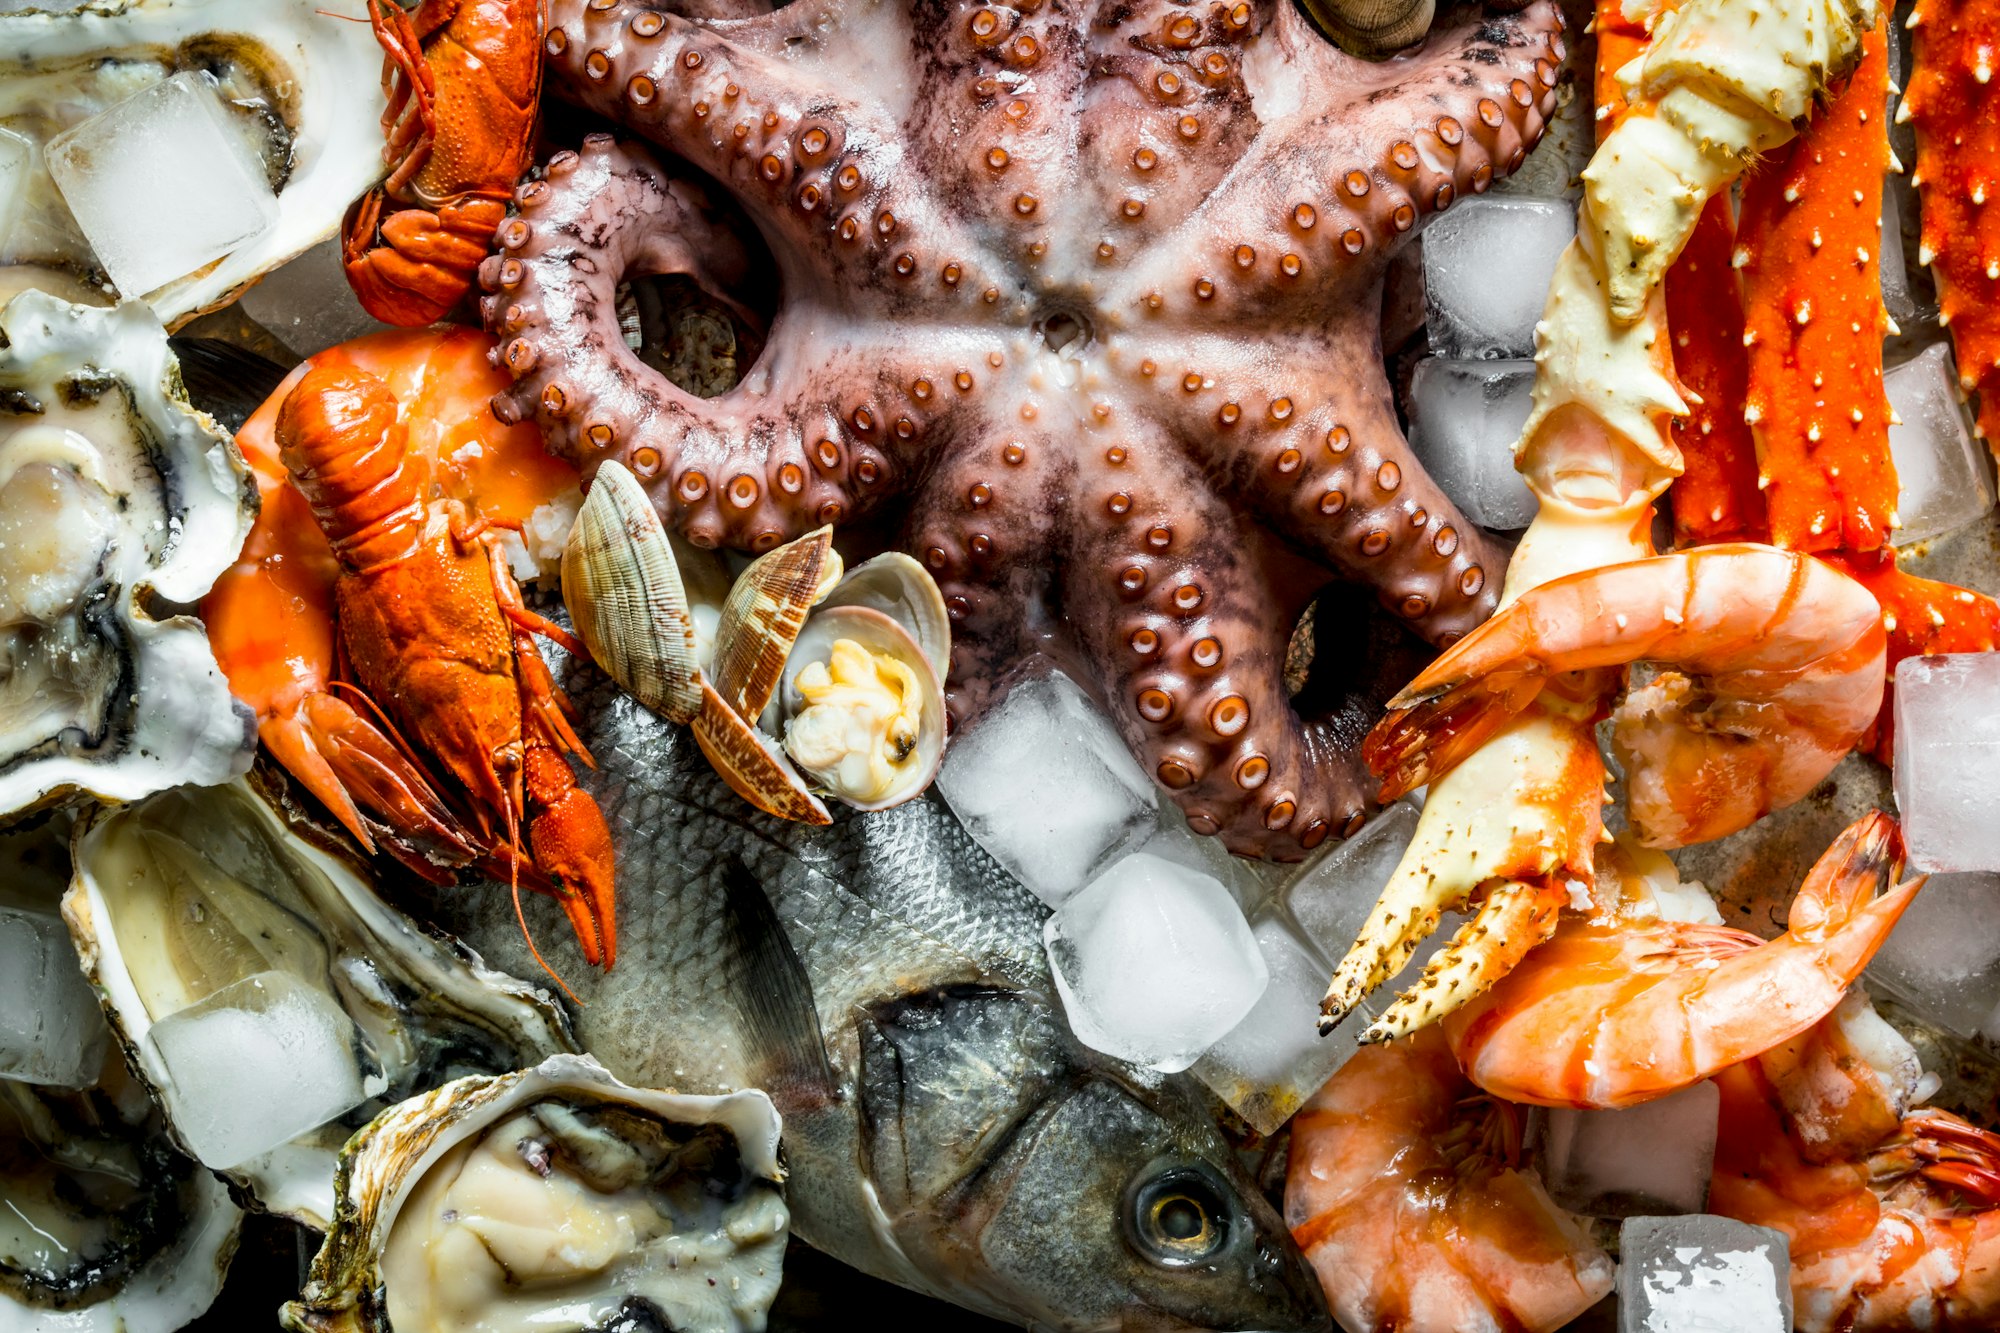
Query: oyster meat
191	905
554	1198
298	81
114	495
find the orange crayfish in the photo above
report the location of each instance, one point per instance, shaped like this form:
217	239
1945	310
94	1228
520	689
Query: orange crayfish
386	613
463	79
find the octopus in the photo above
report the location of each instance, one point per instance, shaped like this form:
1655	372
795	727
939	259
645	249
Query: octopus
1085	295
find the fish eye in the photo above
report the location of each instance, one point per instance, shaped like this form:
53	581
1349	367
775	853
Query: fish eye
1178	1215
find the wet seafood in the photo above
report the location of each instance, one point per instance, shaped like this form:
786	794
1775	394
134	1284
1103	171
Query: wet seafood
1408	1192
1899	1233
1719	82
491	1201
297	76
1771	671
195	891
384	421
1949	100
844	667
1612	1012
115	496
942	1127
462	82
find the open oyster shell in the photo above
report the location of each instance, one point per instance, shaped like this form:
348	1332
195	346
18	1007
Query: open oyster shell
557	1197
106	1227
113	492
303	75
198	890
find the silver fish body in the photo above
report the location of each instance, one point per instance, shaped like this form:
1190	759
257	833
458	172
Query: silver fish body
885	982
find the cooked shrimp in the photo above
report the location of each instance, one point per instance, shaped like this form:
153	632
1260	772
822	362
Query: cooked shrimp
1904	1234
1776	660
1407	1194
1612	1013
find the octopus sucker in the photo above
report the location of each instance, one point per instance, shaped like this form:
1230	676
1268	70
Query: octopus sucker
1087	295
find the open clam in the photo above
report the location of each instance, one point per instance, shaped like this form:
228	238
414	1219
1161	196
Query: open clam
115	495
221	935
294	83
495	1203
822	681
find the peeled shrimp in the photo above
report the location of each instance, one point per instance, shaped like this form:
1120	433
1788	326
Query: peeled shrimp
1901	1235
1613	1013
1406	1193
1774	669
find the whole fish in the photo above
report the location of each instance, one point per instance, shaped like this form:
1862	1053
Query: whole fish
884	980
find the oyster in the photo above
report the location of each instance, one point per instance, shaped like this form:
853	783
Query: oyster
846	666
554	1198
205	906
300	83
106	1227
113	493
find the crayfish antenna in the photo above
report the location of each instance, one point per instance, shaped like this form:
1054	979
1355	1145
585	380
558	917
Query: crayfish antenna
514	887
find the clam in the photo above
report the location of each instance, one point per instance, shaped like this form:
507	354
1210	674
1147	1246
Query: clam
556	1197
115	496
845	665
200	911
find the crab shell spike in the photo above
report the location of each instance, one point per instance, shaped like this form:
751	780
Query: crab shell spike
882	636
624	592
753	765
761	620
903	590
383	1172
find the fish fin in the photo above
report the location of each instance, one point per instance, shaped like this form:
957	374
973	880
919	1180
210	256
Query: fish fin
781	1018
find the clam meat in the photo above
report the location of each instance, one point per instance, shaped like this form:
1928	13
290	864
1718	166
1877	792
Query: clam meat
554	1198
115	497
269	996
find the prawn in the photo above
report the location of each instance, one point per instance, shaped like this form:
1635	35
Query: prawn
1900	1233
1610	1013
1406	1192
1778	671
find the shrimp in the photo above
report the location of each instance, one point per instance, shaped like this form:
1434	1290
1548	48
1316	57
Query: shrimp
1613	1013
1406	1192
1902	1233
1780	671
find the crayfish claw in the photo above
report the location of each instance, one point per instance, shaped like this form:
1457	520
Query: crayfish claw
1516	916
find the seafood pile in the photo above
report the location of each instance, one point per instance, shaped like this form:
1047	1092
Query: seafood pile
1159	665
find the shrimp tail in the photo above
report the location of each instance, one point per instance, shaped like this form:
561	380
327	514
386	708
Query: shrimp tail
1516	916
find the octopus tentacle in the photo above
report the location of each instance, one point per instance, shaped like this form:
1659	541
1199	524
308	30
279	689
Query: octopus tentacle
1192	662
1290	222
1311	445
817	441
824	174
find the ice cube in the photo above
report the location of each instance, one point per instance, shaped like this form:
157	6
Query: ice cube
1943	958
1703	1274
1154	962
255	1065
1947	760
1250	882
1940	469
1331	897
162	183
307	303
1045	784
1267	1065
51	1029
1464	419
17	159
1652	1158
1487	265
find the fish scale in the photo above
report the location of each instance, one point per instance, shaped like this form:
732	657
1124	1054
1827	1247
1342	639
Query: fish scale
969	1147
